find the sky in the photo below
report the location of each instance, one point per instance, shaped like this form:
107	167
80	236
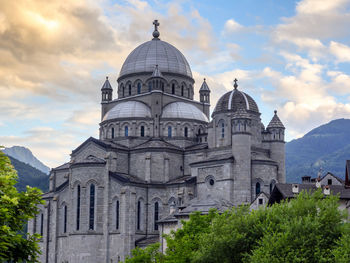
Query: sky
292	56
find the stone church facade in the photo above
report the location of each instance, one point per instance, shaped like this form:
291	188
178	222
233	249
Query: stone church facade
158	153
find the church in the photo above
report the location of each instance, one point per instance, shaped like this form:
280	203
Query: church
160	153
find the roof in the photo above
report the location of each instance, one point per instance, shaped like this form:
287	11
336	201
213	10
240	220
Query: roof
103	144
156	52
233	100
284	191
106	85
183	110
156	143
216	158
204	87
204	205
128	109
275	122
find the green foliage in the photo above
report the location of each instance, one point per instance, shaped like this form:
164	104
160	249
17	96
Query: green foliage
183	243
150	254
310	228
15	210
28	175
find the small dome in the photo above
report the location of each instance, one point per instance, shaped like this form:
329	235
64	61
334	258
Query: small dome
232	100
183	110
128	109
156	52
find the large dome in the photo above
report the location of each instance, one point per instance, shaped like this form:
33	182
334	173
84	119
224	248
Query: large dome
156	52
234	99
128	109
183	110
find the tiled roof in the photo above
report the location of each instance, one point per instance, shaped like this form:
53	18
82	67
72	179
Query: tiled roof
204	86
275	122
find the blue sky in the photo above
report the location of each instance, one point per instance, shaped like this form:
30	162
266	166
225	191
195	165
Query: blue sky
292	56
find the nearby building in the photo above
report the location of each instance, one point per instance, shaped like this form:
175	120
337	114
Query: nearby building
157	152
329	183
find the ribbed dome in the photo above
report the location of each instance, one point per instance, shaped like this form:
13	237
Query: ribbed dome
128	109
232	100
183	110
156	52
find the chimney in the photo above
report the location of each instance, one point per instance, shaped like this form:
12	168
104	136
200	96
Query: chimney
295	188
327	190
306	179
318	182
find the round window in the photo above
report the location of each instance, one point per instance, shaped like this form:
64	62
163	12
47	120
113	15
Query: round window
210	181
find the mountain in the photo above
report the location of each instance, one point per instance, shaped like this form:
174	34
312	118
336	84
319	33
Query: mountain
28	175
326	147
25	155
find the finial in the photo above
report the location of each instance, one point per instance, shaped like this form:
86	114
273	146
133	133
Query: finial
204	79
235	85
106	77
156	32
275	111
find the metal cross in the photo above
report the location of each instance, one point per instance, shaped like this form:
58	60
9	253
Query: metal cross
235	85
156	25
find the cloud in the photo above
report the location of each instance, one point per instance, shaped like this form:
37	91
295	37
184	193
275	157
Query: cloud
314	23
49	145
232	26
340	51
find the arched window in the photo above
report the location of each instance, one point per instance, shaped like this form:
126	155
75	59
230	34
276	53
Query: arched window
199	132
150	86
41	224
173	88
156	215
78	208
117	214
222	130
129	89
169	131
142	131
162	85
182	90
123	89
139	88
65	219
186	132
126	131
257	188
138	215
112	133
92	207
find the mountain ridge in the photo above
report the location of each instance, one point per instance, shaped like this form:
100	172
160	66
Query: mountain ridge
25	155
325	148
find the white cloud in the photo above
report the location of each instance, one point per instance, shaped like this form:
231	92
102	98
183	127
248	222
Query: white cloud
340	51
232	26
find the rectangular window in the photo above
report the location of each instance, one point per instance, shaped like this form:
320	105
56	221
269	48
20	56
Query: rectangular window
92	207
42	224
329	181
260	201
117	215
65	220
78	208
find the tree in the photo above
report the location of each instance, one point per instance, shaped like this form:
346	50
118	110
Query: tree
183	243
309	228
150	254
15	211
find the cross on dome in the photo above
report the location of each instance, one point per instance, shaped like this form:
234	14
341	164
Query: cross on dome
156	25
235	85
